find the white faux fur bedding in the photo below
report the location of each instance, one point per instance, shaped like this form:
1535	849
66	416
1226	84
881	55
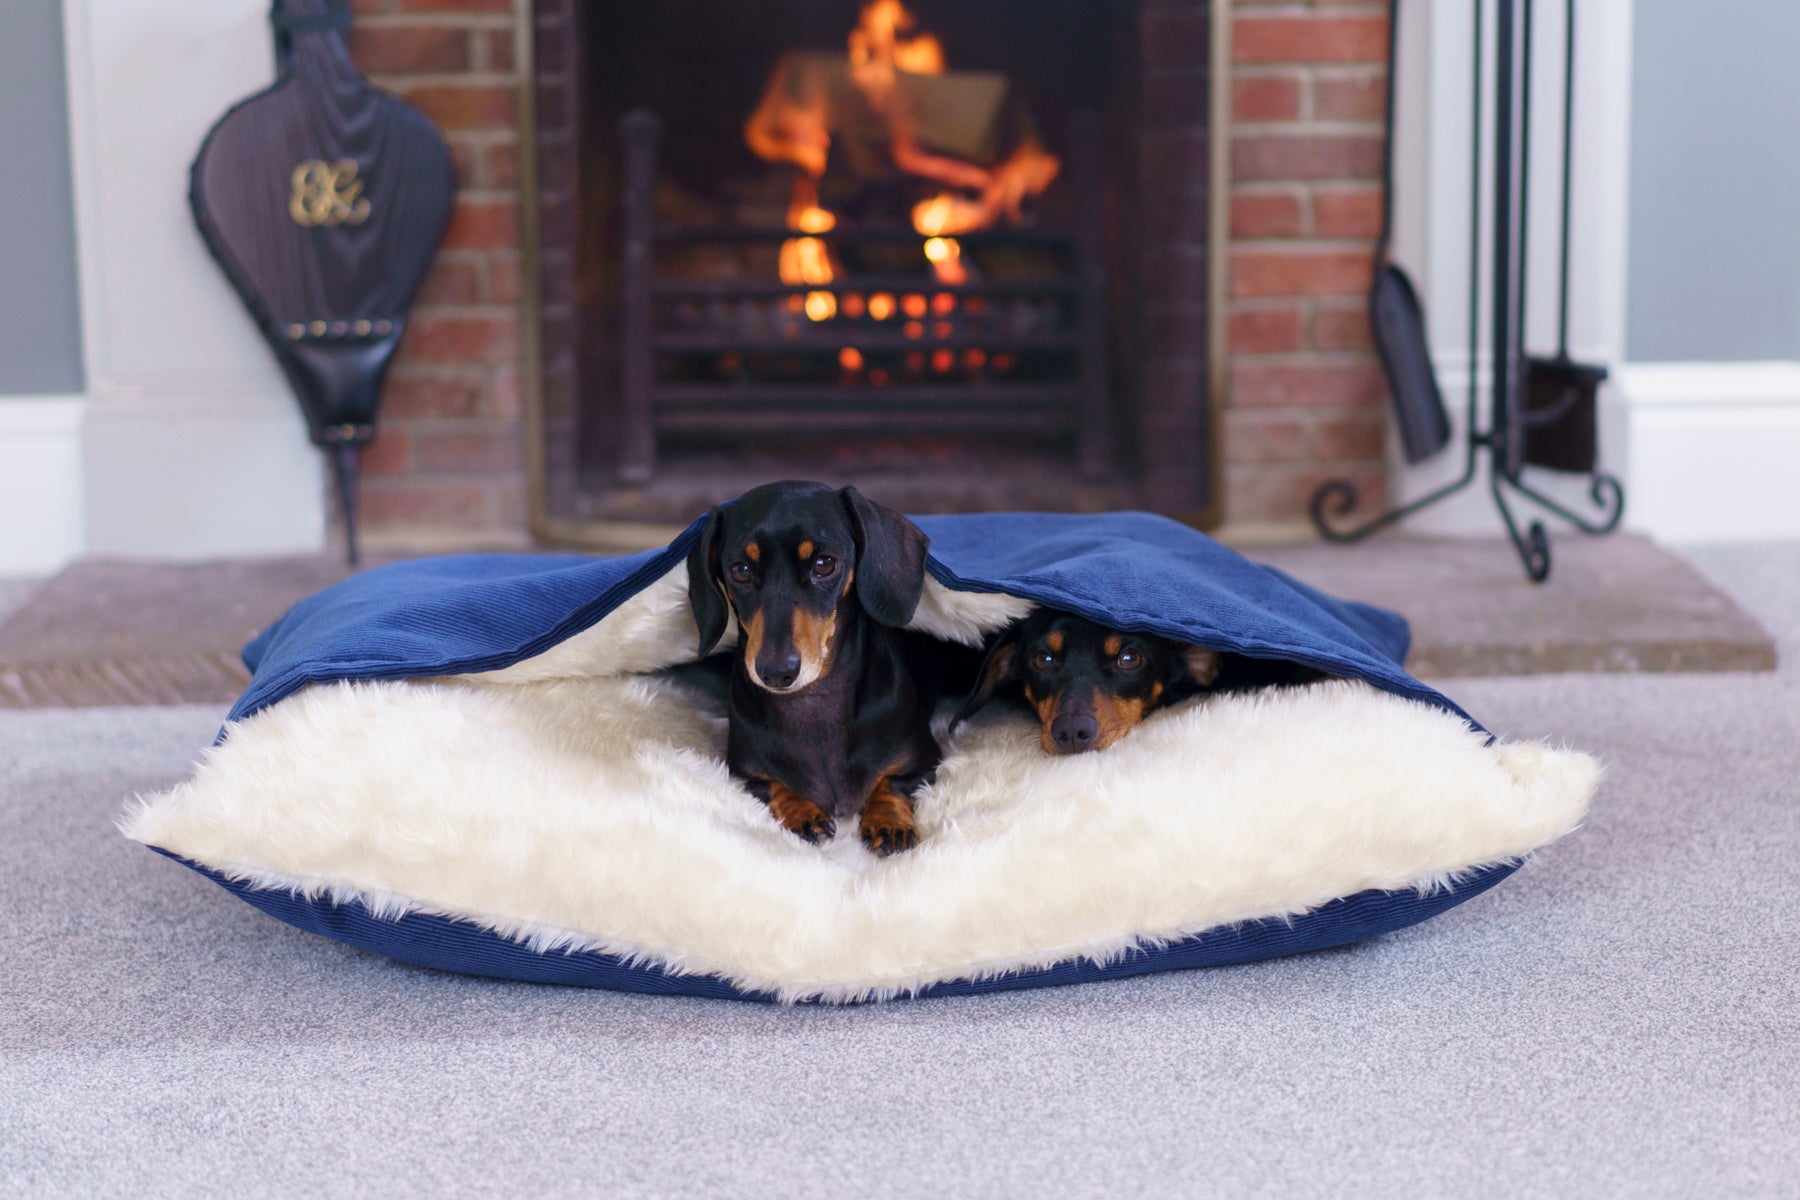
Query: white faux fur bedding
568	805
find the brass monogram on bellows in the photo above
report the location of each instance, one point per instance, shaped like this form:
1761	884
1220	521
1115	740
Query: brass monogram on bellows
328	194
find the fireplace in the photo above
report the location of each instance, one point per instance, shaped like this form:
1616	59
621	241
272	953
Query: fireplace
952	252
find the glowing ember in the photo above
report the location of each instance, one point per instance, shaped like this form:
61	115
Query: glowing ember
820	306
805	260
913	306
810	218
850	358
946	260
881	306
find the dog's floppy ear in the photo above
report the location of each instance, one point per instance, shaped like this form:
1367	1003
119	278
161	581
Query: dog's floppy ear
890	551
996	669
1197	664
705	594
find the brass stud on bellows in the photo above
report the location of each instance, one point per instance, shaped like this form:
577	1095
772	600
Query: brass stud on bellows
363	327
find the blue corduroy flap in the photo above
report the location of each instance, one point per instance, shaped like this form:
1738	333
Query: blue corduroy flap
444	616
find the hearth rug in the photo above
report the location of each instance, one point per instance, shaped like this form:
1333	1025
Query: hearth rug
464	763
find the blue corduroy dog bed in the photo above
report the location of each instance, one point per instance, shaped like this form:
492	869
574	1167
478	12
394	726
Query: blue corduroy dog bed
544	655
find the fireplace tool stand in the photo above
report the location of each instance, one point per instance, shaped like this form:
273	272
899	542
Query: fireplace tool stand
1503	440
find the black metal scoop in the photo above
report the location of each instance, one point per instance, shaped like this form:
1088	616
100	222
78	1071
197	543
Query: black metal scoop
324	201
1396	316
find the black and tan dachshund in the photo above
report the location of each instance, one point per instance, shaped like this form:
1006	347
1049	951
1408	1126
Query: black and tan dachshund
826	717
1090	685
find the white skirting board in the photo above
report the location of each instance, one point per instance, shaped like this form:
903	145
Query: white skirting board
1711	451
44	522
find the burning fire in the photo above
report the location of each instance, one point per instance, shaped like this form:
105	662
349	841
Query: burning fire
794	124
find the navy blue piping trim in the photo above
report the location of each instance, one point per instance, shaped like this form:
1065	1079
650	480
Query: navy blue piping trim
464	947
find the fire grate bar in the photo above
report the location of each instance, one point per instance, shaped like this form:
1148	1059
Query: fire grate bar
709	289
835	337
811	398
1034	421
846	234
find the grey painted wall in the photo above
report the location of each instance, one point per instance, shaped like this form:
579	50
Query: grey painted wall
40	309
1715	181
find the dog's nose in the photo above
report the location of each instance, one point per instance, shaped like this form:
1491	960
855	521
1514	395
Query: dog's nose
780	673
1074	733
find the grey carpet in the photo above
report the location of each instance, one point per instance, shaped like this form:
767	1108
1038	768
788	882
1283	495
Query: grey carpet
1620	1019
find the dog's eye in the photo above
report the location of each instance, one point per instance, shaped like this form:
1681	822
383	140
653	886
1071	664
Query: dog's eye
1043	660
739	572
824	566
1130	660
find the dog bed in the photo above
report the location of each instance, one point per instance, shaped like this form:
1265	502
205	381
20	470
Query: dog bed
466	763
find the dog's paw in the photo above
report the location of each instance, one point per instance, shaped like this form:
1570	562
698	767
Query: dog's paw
885	836
815	829
800	816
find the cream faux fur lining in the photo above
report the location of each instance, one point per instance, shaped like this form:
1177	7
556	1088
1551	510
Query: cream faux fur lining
563	804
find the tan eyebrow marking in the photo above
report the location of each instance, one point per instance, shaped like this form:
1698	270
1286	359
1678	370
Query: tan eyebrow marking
806	550
1055	642
1114	644
753	552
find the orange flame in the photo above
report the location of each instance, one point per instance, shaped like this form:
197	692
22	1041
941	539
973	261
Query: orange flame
876	42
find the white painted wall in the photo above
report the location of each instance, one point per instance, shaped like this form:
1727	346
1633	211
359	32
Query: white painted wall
42	522
192	445
1705	450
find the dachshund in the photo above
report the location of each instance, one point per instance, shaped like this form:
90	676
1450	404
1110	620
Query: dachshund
1090	685
825	713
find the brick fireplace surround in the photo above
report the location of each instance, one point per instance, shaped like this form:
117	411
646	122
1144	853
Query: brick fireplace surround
1306	399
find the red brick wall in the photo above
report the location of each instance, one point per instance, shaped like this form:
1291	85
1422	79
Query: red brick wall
1307	400
449	455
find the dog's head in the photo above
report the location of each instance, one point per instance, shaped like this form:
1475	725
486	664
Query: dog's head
1089	684
790	559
